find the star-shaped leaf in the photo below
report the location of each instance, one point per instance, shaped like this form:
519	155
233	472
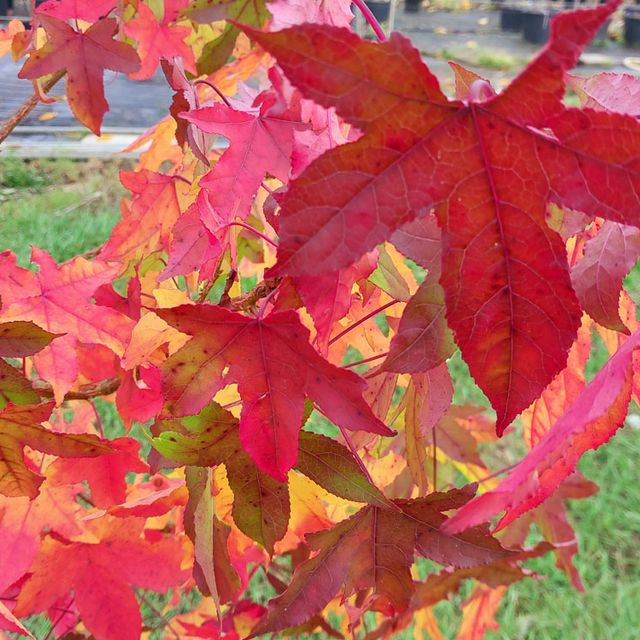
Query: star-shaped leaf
488	165
84	56
274	366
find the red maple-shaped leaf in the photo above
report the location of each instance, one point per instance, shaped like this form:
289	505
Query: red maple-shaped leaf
22	520
147	221
260	141
58	299
595	415
84	56
77	9
158	40
274	366
105	475
374	550
120	560
489	166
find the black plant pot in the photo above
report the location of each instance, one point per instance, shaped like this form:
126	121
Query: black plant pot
632	26
380	10
535	26
412	6
511	19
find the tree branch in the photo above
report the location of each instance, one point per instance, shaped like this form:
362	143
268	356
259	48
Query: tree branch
84	392
28	106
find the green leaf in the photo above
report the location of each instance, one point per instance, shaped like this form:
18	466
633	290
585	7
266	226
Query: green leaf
14	387
334	468
261	504
213	571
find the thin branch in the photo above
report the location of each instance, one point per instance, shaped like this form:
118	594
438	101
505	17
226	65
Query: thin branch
261	290
159	613
499	472
84	392
359	460
263	306
28	106
98	418
225	298
244	225
357	323
371	19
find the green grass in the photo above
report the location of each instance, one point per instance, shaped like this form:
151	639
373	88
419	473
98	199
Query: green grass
608	529
484	58
63	207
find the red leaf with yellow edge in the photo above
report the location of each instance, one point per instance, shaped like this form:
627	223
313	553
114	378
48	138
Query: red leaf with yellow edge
59	299
158	40
106	475
274	366
508	293
592	419
147	222
374	549
120	560
478	612
20	426
84	56
561	391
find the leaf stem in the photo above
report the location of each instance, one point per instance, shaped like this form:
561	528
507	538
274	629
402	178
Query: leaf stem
355	364
266	301
216	90
163	618
371	19
375	312
359	460
498	472
435	462
225	299
244	225
55	622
